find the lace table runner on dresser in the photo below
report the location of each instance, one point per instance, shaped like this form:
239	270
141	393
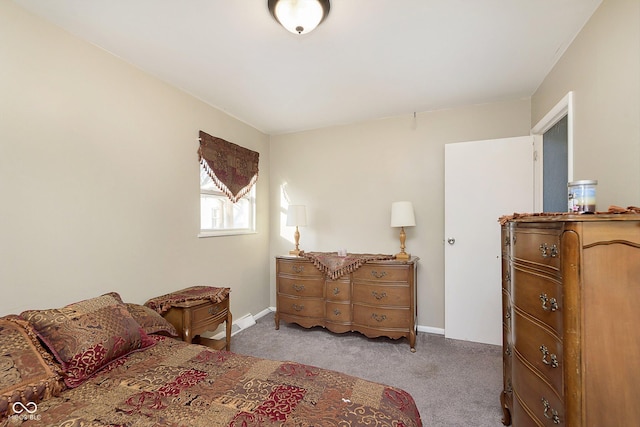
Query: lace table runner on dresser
334	266
165	302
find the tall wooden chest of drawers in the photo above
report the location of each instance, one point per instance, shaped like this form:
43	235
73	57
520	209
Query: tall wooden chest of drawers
571	320
378	299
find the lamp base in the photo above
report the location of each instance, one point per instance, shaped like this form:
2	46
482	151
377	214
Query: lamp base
295	252
403	256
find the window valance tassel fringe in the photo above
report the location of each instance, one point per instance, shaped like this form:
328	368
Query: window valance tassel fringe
233	197
233	169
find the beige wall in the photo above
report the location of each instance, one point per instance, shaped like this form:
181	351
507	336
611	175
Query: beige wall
602	68
348	176
99	179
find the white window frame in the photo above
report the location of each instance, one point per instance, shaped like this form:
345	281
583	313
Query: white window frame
250	198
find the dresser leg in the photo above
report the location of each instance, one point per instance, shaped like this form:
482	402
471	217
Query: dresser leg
506	414
276	319
229	324
412	341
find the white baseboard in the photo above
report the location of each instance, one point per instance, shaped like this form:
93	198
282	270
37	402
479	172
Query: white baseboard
431	330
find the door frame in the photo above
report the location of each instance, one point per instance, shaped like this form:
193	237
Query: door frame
561	109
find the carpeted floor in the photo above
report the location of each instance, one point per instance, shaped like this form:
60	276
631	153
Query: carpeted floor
454	383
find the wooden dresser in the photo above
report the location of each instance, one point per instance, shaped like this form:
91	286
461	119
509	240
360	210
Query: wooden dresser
571	320
378	299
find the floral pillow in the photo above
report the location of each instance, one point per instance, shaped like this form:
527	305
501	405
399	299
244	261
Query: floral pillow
28	373
88	335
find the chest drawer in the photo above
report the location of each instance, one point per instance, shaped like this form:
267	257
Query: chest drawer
536	396
539	247
302	287
297	268
396	296
381	273
540	348
540	296
301	306
379	317
337	290
338	312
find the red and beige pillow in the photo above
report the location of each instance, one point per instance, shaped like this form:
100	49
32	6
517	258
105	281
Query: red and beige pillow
150	321
88	335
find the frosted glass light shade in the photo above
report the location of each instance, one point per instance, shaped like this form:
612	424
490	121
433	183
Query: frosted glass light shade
296	215
299	16
402	214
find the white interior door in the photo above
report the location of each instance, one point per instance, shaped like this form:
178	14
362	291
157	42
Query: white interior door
483	180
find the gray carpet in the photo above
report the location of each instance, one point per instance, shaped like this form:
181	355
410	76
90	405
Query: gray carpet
454	383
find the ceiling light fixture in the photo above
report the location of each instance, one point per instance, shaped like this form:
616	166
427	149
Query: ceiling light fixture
299	16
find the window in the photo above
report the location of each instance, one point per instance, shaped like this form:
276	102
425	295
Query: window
219	216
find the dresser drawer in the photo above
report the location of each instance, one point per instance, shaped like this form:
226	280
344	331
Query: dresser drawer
538	295
378	317
520	417
338	312
537	396
207	315
301	287
396	296
301	306
381	273
540	348
297	268
337	290
540	247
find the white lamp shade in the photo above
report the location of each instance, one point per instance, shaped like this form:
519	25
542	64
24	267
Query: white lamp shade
402	214
299	16
296	215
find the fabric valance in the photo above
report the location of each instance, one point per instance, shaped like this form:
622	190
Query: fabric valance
234	169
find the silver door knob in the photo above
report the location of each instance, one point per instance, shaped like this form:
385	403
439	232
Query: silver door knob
451	240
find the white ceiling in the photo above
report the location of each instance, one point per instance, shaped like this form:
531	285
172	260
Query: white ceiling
369	59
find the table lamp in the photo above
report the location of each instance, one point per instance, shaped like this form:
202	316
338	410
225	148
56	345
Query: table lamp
402	216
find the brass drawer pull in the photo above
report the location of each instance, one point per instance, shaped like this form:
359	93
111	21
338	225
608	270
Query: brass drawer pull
336	290
214	310
547	252
550	413
545	353
378	318
378	296
298	288
378	275
297	307
297	268
553	303
337	312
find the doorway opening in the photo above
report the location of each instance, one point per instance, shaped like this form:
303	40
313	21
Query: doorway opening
553	145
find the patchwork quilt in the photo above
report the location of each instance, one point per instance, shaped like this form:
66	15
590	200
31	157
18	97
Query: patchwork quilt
172	383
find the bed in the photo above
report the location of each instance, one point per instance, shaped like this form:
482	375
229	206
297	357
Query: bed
101	362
